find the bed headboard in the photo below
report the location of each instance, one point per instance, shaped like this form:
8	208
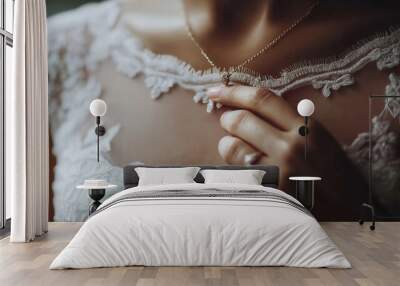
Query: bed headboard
270	179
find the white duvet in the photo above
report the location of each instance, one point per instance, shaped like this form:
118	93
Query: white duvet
200	231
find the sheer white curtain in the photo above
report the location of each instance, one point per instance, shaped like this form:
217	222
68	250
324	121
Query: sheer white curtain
27	147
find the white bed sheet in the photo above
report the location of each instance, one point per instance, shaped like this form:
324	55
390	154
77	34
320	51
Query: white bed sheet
200	231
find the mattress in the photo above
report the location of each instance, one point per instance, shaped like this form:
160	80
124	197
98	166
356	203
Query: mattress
201	225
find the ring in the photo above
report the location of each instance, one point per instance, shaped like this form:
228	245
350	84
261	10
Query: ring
252	159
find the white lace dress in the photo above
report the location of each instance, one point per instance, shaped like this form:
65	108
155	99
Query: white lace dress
78	45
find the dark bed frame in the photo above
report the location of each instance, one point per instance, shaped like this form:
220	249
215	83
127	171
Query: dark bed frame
270	179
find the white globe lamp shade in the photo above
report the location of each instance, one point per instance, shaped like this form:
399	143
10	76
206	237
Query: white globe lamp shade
98	107
305	108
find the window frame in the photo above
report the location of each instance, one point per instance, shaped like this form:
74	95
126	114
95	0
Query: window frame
6	39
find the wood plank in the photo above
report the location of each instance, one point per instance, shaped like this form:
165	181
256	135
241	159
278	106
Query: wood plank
375	257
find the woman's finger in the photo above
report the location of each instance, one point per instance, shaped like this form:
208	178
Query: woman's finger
253	130
235	151
261	101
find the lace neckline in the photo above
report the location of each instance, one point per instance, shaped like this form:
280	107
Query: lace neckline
327	74
162	72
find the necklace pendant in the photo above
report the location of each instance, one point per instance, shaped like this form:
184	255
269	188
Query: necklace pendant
226	78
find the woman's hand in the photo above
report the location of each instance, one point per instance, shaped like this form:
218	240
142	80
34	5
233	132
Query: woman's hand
264	128
261	123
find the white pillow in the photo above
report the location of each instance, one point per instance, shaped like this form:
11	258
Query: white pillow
162	176
248	177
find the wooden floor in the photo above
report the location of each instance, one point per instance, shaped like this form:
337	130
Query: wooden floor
375	257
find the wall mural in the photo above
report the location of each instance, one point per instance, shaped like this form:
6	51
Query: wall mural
163	107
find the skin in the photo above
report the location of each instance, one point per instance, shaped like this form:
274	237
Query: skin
265	123
253	120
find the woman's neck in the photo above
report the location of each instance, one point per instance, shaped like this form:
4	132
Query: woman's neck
229	20
229	31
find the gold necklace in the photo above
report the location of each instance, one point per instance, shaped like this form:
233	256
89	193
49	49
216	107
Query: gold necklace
226	73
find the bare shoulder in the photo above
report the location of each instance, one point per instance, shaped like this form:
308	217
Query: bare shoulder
158	24
151	17
337	26
367	13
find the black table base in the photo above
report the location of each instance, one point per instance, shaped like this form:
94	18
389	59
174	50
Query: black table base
305	193
96	195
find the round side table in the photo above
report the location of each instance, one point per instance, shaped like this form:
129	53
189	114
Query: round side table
305	187
96	193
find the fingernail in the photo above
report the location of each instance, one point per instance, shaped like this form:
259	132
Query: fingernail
214	91
225	114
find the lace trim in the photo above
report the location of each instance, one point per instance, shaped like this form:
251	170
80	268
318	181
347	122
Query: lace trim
72	86
359	149
164	71
385	143
392	105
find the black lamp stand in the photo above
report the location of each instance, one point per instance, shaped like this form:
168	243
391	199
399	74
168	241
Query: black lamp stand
96	195
100	131
369	206
304	131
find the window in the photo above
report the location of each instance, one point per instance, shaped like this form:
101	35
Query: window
6	44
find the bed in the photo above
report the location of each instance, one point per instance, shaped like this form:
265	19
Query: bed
198	224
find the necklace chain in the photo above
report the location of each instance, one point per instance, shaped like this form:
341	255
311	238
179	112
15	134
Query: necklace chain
267	47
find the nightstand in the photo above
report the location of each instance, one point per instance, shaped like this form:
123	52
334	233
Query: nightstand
97	190
305	187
